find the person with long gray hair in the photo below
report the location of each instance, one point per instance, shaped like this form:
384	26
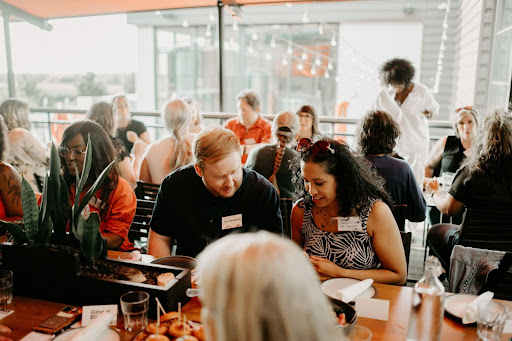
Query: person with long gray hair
276	298
174	151
25	153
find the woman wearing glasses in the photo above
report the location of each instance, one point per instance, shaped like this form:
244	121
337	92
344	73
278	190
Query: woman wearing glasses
115	200
343	220
308	122
449	151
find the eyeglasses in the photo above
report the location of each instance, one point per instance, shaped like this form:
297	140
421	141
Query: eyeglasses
301	115
64	152
306	144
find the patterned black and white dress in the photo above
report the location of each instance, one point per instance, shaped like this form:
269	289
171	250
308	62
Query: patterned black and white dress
347	249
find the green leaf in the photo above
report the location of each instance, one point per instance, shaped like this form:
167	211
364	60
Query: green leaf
43	208
94	188
16	230
89	235
85	172
62	214
30	210
45	230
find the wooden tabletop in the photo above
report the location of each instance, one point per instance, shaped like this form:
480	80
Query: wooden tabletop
30	312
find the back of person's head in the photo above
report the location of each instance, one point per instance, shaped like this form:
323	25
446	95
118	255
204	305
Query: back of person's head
356	181
458	115
492	155
197	119
250	97
377	133
103	114
103	152
213	144
260	287
15	114
176	117
397	71
3	138
308	109
285	125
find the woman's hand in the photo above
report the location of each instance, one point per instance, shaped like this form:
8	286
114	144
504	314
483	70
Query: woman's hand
325	268
432	186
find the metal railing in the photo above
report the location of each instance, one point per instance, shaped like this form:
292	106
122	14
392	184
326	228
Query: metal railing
50	123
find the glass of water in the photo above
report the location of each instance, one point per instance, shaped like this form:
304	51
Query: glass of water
491	319
134	305
5	286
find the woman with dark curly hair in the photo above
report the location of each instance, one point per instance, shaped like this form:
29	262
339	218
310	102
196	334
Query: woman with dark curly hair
308	122
410	104
10	183
482	182
342	219
376	138
115	200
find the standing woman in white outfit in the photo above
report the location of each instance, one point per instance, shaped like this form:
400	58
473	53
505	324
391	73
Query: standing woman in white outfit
410	104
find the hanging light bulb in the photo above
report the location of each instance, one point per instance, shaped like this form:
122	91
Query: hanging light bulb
444	36
273	42
442	46
250	49
211	16
329	66
268	56
445	25
284	61
337	79
208	30
439	68
185	22
321	29
305	17
289	50
235	26
326	74
313	70
300	66
255	36
304	55
318	61
333	41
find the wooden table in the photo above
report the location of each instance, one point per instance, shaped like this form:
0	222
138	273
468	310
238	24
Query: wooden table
30	312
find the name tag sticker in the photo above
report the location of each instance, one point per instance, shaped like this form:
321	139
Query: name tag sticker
91	312
232	221
250	141
349	224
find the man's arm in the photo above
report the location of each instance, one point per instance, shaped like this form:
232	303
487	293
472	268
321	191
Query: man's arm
158	245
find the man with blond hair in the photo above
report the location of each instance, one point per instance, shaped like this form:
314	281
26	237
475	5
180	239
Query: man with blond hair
251	129
200	203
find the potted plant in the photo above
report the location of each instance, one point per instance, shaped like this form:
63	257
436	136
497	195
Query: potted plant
52	264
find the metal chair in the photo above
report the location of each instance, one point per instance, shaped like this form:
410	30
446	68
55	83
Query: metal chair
139	229
146	190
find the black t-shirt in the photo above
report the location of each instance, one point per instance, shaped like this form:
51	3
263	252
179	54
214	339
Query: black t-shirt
402	187
186	211
136	126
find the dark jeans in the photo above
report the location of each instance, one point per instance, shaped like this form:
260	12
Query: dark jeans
441	238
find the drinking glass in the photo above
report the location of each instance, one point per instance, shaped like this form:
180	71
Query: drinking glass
5	286
490	321
134	305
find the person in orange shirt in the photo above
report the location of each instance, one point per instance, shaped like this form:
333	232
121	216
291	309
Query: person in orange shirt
115	201
251	129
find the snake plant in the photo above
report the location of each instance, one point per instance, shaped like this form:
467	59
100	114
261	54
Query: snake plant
47	223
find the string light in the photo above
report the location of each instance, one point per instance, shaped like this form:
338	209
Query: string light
313	70
268	56
304	55
185	22
446	7
321	29
273	42
235	26
305	17
289	50
329	66
333	41
326	74
211	16
284	61
208	30
300	66
318	61
255	36
250	50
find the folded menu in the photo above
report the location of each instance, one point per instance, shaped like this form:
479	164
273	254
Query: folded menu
347	294
94	329
471	311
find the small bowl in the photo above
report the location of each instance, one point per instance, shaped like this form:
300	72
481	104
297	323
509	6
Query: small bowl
178	261
340	307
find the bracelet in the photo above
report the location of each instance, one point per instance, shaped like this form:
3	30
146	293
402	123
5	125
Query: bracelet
432	194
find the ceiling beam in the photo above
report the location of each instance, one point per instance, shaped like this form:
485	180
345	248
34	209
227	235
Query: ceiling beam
8	9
